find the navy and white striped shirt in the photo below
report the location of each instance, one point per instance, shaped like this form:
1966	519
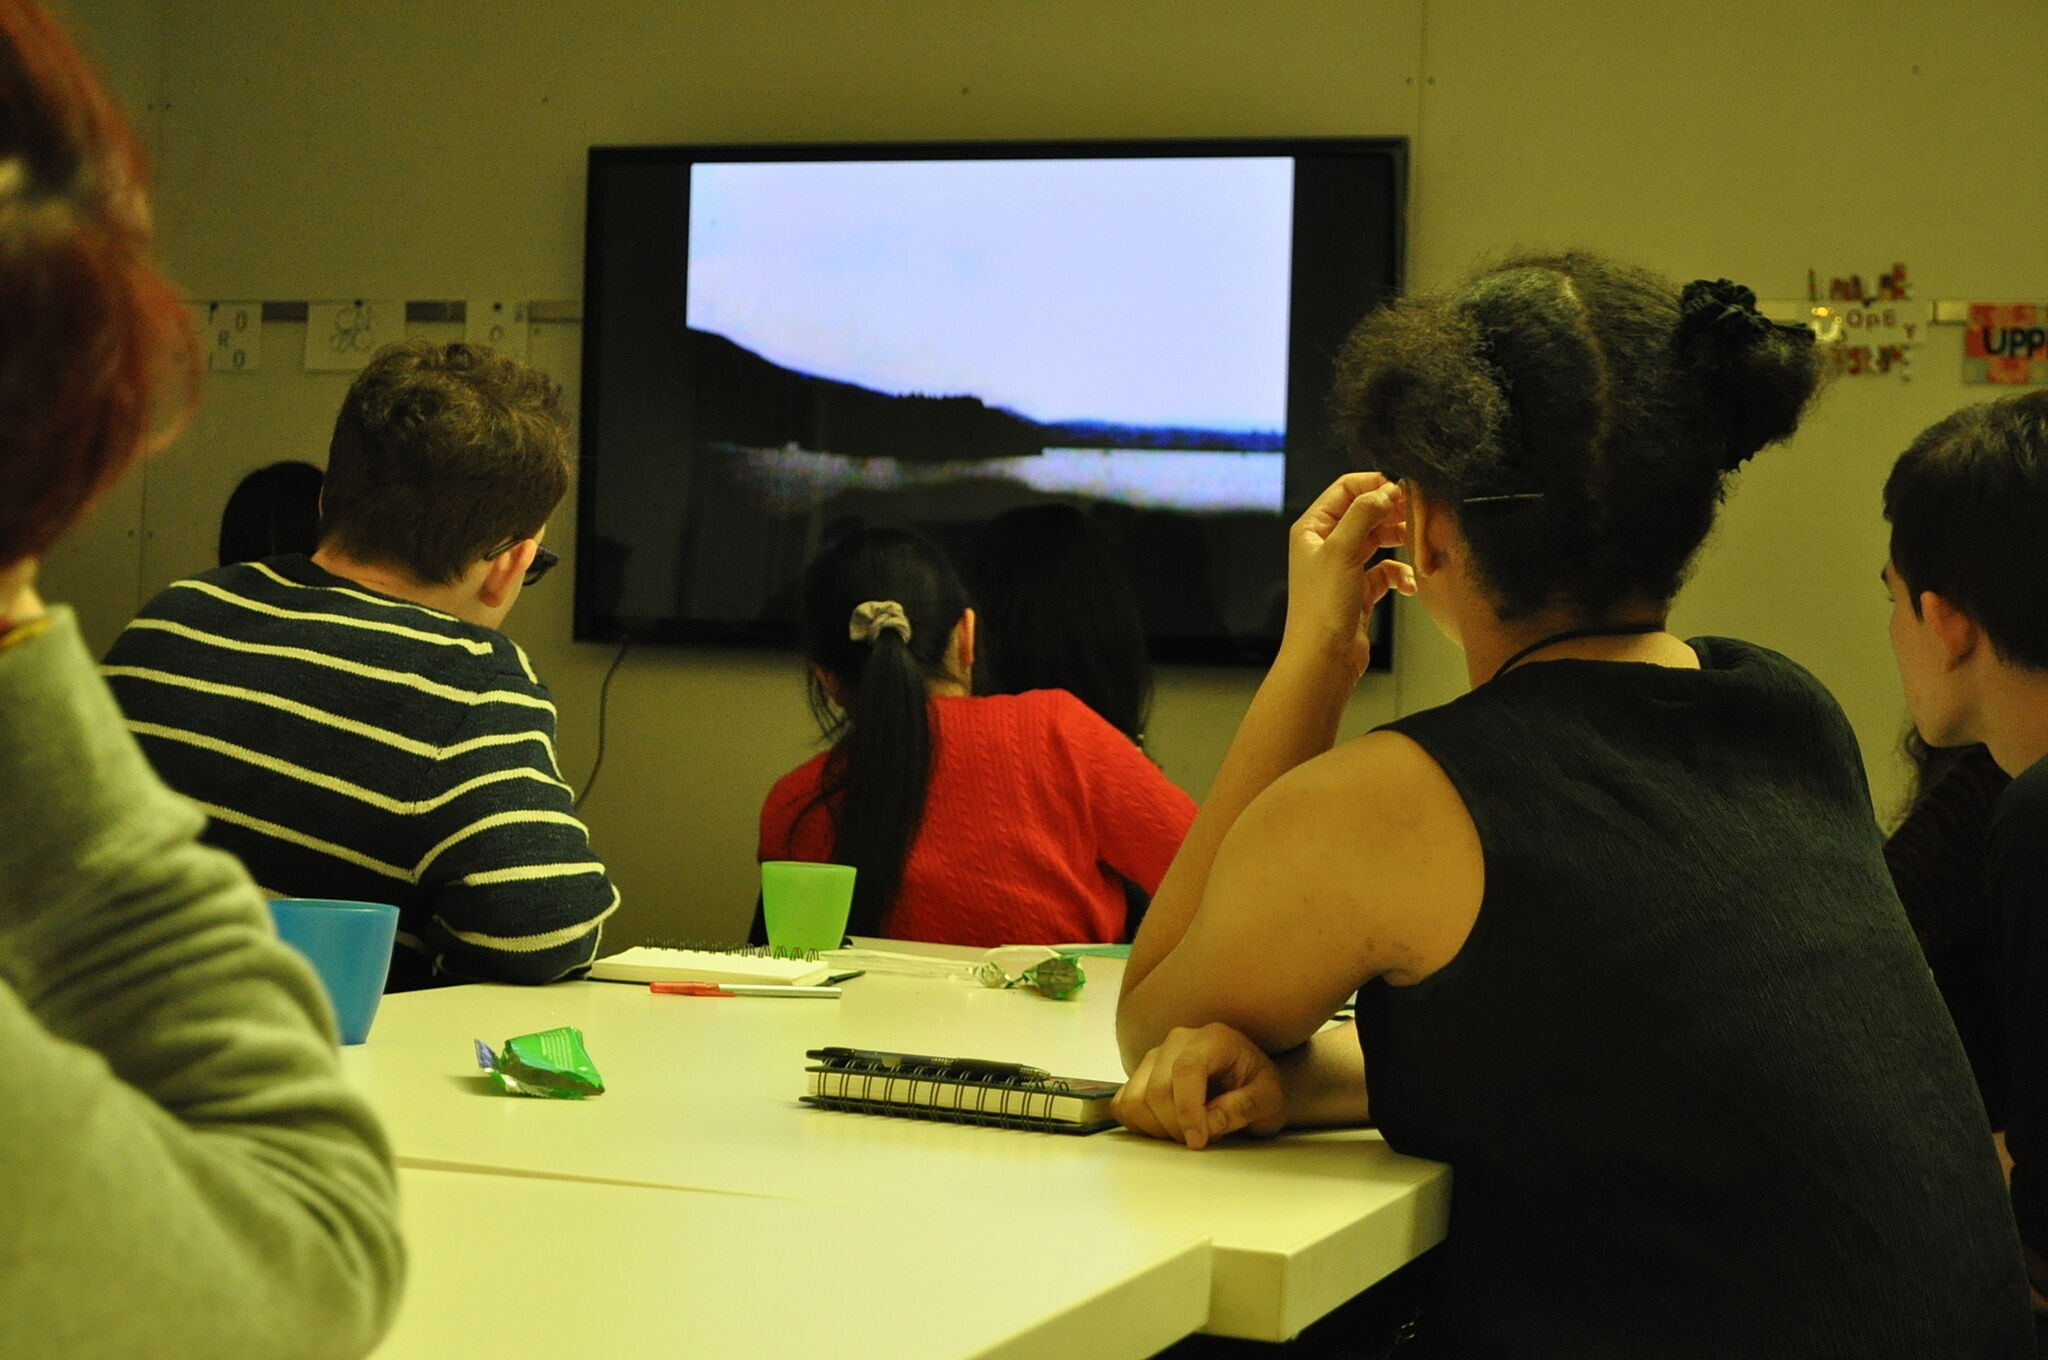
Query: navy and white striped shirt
347	744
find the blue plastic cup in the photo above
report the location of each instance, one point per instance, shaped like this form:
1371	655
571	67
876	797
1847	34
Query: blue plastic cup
349	946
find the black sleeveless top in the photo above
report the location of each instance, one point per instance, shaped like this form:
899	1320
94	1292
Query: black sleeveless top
1698	1092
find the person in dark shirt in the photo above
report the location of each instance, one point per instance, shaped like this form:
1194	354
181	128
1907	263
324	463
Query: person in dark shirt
1057	612
273	510
1625	950
1968	578
1936	858
353	723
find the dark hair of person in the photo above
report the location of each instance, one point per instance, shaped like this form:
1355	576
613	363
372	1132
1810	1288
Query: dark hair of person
1057	611
1968	506
97	355
441	453
1579	417
879	769
1933	764
273	510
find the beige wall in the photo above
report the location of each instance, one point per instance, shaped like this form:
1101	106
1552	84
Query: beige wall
1756	140
319	149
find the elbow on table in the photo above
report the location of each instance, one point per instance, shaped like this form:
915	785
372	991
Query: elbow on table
528	970
373	1288
306	1259
514	968
1136	1032
480	953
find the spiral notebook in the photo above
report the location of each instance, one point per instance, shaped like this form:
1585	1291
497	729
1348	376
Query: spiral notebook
957	1090
730	963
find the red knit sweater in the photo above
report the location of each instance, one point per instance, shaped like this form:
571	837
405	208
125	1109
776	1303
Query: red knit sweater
1036	806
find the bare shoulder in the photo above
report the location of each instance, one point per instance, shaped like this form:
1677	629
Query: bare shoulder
1383	780
1380	829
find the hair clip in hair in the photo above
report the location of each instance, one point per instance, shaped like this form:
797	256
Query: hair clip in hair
1828	325
872	617
1508	496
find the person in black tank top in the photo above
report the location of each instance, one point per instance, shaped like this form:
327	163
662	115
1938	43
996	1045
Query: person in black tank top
1626	952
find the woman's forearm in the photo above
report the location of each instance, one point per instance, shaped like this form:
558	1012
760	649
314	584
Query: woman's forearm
1292	718
1325	1081
1331	591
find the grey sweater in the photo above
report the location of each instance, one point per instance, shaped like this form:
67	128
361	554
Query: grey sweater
181	1169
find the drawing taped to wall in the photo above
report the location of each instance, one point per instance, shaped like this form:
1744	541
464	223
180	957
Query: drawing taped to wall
341	336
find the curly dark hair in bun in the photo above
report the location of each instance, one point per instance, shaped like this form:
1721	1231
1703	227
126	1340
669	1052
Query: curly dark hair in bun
1578	414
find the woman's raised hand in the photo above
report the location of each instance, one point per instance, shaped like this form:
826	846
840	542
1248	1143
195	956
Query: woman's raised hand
1330	593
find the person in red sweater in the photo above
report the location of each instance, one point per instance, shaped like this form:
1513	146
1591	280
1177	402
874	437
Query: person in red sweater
976	820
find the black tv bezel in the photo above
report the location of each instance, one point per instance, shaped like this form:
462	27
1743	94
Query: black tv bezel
587	626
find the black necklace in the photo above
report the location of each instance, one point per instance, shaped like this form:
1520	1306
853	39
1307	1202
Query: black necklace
1573	634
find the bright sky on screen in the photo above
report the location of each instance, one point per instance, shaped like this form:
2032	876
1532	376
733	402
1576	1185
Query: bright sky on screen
1144	292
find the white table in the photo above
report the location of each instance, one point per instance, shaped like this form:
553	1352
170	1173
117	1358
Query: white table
519	1268
703	1095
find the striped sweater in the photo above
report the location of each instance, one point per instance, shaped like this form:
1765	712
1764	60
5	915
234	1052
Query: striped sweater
347	744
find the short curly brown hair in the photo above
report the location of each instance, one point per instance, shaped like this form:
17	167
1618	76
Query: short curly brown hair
442	453
1578	425
96	351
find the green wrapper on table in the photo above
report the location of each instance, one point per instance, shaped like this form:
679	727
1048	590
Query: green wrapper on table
1053	974
552	1063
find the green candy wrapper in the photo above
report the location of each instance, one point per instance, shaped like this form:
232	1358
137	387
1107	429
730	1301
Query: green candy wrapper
1057	978
552	1063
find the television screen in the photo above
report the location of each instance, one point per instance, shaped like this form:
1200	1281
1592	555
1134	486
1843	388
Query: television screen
785	342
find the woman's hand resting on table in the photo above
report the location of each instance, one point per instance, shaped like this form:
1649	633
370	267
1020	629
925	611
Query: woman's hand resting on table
1200	1084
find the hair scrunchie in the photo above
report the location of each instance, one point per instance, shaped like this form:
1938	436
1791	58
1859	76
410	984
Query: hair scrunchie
1723	309
874	617
1726	311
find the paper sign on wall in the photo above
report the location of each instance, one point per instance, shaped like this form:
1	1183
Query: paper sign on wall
501	325
343	335
1865	339
1877	337
231	335
1871	329
2007	342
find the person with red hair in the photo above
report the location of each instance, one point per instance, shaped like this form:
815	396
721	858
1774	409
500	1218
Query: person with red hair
186	1173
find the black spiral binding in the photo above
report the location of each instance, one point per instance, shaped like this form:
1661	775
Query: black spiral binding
868	1086
752	951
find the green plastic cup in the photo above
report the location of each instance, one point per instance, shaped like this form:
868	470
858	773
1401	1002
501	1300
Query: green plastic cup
806	904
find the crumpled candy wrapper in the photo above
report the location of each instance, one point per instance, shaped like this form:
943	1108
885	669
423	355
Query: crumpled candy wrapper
552	1064
1052	973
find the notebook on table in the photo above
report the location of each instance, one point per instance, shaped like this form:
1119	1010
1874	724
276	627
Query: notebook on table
740	963
958	1090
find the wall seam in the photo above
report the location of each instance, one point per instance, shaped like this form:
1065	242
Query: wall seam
1406	623
159	117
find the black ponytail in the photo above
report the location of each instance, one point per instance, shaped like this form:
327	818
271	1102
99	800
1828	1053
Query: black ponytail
869	693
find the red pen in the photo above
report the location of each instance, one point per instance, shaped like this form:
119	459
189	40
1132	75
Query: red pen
736	989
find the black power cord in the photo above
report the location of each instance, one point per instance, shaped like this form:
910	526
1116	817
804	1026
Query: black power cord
604	696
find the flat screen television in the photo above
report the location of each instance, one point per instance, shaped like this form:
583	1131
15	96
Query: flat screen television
781	342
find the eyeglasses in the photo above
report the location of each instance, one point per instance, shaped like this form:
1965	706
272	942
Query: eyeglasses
545	559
